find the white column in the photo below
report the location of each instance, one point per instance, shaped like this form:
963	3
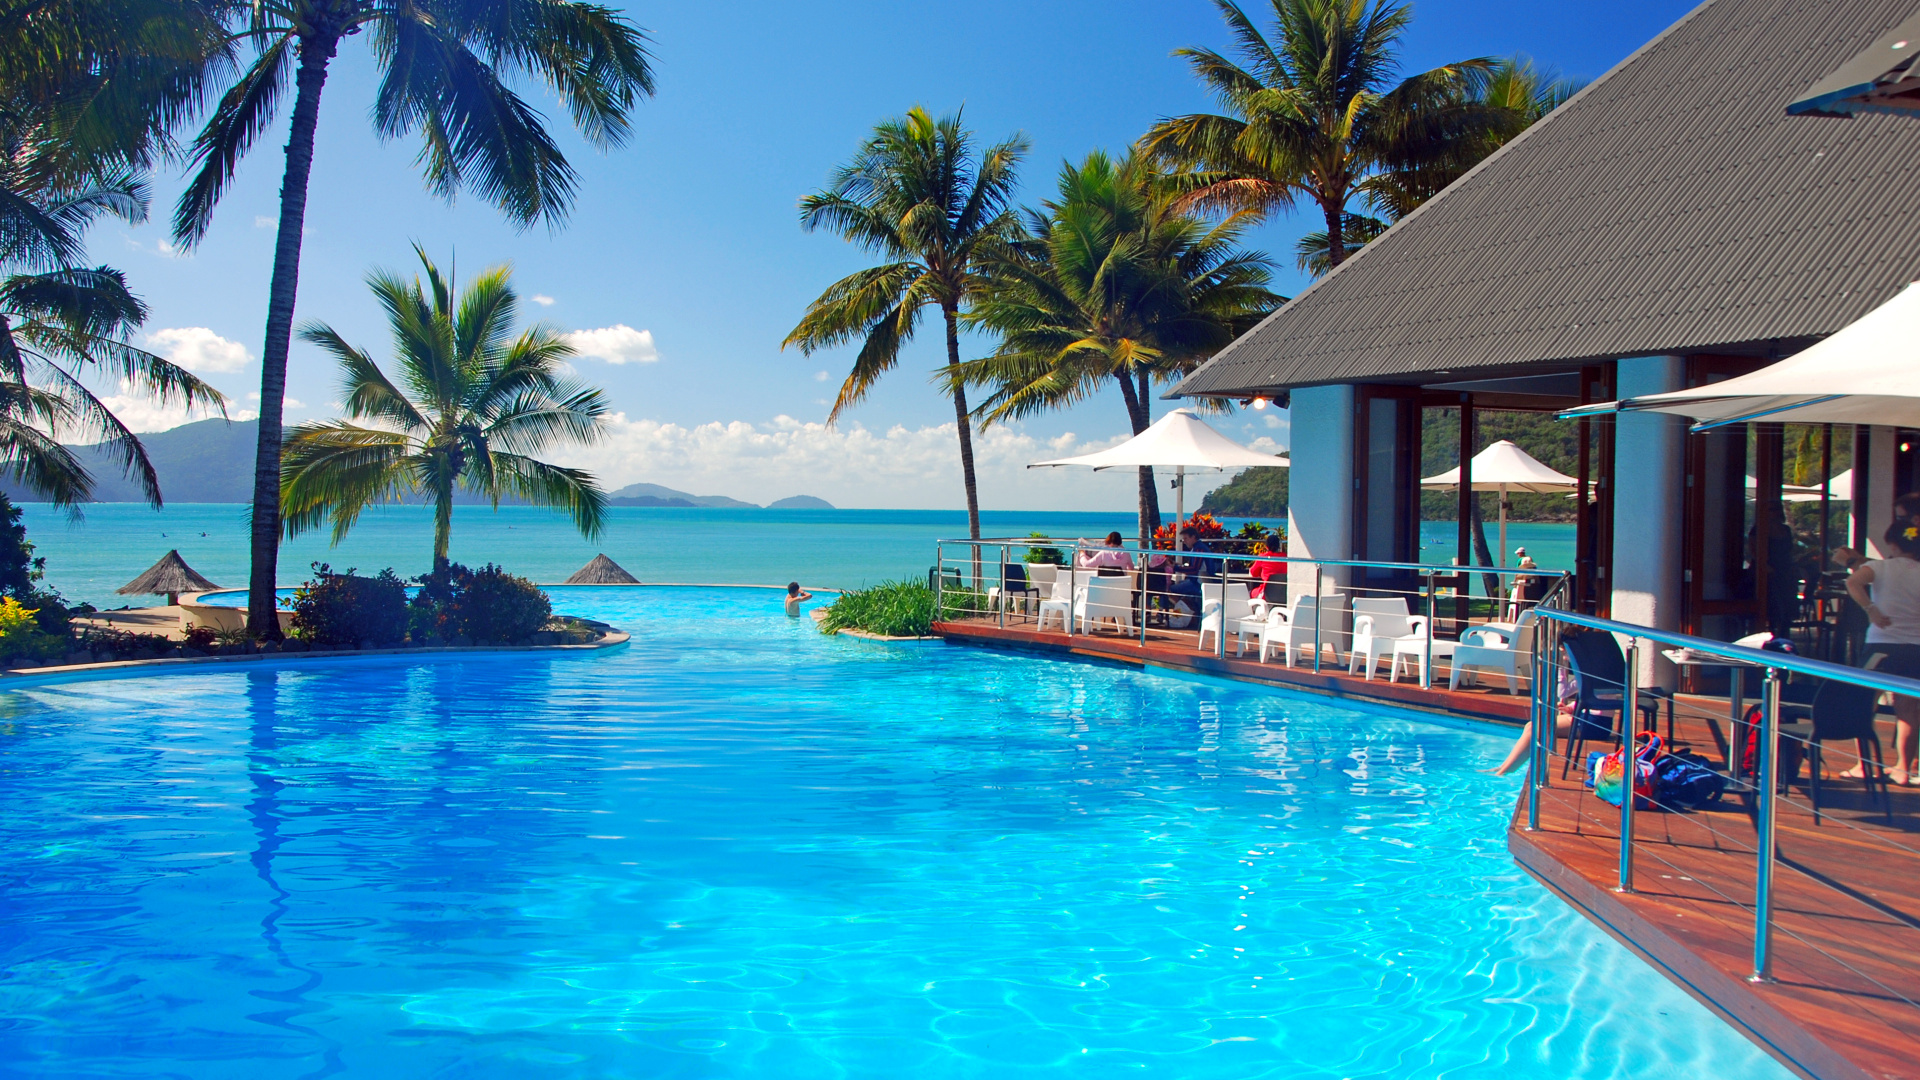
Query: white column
1880	499
1320	484
1649	478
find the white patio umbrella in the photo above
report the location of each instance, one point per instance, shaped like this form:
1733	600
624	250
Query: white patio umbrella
1867	373
1504	467
1839	489
1179	441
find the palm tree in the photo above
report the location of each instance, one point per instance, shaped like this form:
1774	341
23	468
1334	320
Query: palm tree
444	66
483	401
70	149
1111	284
916	195
1314	110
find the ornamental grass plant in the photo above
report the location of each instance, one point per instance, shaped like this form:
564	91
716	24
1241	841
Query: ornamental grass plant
898	609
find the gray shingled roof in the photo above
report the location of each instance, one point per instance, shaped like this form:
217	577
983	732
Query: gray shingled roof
1670	207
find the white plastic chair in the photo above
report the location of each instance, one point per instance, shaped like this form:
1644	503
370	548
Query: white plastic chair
1214	616
1105	599
1414	649
1041	576
1378	622
1060	603
1291	628
1500	647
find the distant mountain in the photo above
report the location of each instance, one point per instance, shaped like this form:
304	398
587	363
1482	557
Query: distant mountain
800	502
211	461
655	495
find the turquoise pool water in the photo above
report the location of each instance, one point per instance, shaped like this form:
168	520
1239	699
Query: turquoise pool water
735	848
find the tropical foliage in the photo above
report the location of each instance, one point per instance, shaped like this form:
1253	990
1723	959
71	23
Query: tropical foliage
349	611
1111	284
479	402
445	68
1313	112
898	609
85	93
917	195
484	606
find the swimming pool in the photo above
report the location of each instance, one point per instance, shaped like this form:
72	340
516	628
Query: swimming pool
736	848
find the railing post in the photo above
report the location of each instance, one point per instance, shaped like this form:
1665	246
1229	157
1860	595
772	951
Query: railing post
1537	717
1426	662
939	564
1004	553
1073	584
1769	781
1146	554
1318	598
1220	639
1629	762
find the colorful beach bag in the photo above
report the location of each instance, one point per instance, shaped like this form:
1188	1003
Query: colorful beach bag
1606	772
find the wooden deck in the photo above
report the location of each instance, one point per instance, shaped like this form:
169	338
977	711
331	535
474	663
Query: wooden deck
1178	650
1846	944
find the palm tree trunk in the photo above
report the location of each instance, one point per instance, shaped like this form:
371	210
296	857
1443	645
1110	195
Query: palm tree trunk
442	525
312	77
1140	415
1336	232
965	425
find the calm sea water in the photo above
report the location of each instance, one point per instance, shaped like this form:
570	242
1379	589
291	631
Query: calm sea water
827	548
737	848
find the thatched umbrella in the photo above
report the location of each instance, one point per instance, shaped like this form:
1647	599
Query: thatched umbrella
601	571
171	575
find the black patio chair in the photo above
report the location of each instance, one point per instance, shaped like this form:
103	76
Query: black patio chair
1839	710
1600	678
1014	582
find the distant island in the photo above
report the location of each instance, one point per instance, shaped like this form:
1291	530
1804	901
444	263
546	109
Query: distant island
211	461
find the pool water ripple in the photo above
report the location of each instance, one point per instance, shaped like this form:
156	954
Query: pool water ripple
735	848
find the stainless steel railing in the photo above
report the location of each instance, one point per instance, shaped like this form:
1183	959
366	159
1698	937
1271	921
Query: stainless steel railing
1763	789
978	569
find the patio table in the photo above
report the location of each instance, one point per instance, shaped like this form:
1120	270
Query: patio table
1736	700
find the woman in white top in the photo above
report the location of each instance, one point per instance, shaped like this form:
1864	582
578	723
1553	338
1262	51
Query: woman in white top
1889	590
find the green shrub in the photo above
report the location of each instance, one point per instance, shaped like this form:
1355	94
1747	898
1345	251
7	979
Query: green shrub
20	633
336	611
484	606
1051	556
21	573
898	609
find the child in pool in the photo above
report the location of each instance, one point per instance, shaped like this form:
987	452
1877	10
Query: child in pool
795	597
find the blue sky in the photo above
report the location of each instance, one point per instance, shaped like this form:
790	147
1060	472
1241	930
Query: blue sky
683	249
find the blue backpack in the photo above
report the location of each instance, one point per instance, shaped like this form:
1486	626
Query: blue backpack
1681	780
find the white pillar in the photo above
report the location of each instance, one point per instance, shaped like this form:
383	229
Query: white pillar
1649	478
1320	484
1880	498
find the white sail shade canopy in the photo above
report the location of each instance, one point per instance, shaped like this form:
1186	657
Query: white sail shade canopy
1180	441
1505	468
1867	373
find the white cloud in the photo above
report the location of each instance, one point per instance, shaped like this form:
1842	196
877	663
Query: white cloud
162	248
820	376
542	299
616	344
858	467
262	221
199	349
142	413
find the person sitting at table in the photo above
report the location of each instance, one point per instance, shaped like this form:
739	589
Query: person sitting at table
1183	591
1268	566
1889	590
1105	561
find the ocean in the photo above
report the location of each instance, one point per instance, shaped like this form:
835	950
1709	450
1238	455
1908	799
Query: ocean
837	549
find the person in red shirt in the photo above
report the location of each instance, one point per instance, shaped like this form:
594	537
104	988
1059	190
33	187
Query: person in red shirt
1269	566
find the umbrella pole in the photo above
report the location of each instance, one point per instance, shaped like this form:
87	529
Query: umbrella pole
1179	495
1503	525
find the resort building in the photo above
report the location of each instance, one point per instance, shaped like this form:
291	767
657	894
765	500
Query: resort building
1670	226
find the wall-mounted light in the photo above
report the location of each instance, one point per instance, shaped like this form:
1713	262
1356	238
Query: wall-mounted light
1259	403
